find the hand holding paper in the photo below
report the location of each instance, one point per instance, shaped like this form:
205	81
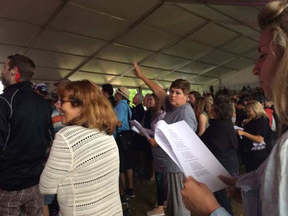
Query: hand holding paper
185	148
238	128
195	194
139	129
239	131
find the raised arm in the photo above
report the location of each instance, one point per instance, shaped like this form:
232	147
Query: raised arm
157	90
202	120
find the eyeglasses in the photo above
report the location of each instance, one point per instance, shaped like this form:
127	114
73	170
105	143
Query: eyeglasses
62	101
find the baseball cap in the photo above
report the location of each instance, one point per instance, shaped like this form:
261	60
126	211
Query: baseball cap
42	88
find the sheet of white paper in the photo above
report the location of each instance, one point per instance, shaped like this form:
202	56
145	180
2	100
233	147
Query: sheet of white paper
140	128
238	128
165	145
135	129
194	158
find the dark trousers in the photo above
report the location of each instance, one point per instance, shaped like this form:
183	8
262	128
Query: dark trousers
224	201
160	188
253	159
229	159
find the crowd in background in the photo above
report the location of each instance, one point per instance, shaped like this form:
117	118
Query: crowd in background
211	116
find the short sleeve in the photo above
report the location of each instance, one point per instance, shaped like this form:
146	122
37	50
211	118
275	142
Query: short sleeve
262	127
168	106
120	112
189	117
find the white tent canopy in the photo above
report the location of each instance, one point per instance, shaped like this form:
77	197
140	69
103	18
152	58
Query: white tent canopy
100	39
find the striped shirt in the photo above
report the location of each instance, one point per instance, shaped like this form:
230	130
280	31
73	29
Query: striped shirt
83	169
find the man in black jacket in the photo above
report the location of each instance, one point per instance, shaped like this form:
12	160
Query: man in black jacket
25	131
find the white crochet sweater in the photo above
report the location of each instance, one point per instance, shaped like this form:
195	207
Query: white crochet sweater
83	170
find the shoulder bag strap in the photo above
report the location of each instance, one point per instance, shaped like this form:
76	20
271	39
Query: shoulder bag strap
128	116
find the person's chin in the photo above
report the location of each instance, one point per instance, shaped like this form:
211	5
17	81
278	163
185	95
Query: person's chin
268	94
172	103
63	121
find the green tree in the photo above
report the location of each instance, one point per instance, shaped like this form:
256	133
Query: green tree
132	94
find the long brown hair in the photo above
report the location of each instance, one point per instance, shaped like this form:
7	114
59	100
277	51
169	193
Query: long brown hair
97	111
157	107
201	105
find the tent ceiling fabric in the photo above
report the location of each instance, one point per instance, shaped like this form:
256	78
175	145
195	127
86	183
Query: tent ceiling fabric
197	40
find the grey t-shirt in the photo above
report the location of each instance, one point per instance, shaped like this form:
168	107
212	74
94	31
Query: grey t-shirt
163	163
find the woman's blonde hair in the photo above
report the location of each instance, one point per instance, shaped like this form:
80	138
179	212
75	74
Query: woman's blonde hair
233	104
257	108
209	102
97	112
274	18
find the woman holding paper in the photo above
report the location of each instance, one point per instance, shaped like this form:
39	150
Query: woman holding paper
157	114
256	137
264	191
177	109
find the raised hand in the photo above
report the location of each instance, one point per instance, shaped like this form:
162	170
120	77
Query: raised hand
137	70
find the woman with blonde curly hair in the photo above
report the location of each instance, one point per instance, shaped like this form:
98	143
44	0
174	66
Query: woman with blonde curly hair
83	166
264	191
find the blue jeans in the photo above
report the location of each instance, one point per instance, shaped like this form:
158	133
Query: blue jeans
49	199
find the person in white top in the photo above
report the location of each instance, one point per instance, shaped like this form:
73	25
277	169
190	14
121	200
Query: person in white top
83	166
264	191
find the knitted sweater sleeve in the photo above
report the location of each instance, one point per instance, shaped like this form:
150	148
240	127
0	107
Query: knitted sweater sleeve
57	167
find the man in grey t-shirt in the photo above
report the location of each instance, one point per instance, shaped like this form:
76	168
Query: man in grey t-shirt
177	109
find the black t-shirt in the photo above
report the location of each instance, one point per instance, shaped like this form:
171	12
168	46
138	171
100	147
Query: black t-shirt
138	113
220	136
147	118
259	127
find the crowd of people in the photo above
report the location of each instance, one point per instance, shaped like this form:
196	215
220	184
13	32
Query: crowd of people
78	155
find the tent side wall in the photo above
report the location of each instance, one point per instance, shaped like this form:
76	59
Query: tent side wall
234	81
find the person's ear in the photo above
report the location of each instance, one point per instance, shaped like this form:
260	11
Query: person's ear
12	72
15	72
